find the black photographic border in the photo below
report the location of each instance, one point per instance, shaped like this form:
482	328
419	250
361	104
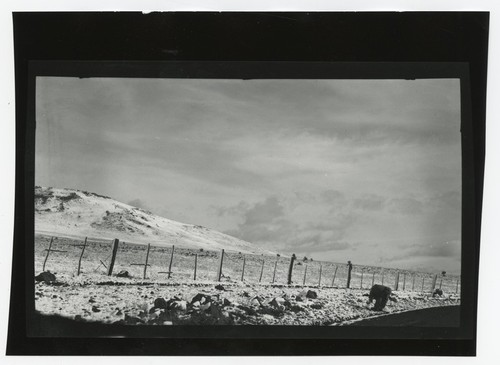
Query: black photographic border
260	45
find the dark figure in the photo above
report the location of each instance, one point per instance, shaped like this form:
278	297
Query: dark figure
437	292
381	294
349	269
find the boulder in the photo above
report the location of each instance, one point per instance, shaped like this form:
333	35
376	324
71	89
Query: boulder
123	274
437	292
316	306
297	308
46	277
311	294
180	305
131	319
256	301
220	287
280	303
160	303
202	298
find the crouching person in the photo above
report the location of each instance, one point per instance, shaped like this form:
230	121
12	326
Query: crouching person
381	294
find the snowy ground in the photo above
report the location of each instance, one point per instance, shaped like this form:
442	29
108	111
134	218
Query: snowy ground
133	301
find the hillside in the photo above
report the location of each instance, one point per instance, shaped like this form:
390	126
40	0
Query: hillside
75	213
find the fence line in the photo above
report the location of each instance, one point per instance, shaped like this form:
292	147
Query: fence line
248	267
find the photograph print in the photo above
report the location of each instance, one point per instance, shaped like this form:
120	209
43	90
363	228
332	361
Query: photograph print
241	202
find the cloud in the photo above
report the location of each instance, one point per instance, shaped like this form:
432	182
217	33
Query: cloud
332	197
264	212
450	200
369	202
445	249
270	224
262	222
406	206
238	209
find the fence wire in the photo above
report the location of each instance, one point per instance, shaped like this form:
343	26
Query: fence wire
65	254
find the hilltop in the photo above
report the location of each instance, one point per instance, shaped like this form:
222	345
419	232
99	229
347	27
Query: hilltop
76	213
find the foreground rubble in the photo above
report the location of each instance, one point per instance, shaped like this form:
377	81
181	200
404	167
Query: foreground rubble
135	302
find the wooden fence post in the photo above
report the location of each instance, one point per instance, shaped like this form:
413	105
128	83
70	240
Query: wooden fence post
243	270
305	274
170	263
362	274
456	289
413	283
334	275
320	270
274	273
219	270
290	270
349	269
396	283
440	282
383	274
404	281
261	271
48	253
434	283
195	265
423	279
81	255
373	278
113	257
146	264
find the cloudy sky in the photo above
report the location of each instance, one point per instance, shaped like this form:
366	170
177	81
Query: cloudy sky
360	170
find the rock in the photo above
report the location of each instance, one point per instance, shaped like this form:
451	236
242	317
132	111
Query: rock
180	305
202	298
46	277
316	306
280	303
246	294
247	310
123	274
220	287
206	306
226	302
311	294
132	319
256	301
297	308
95	309
276	302
91	300
160	303
437	292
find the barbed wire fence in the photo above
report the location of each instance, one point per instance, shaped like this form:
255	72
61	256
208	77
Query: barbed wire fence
158	263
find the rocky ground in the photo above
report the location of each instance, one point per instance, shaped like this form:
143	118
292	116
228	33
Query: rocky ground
136	302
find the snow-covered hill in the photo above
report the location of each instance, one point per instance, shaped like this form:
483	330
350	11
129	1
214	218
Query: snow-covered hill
75	213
